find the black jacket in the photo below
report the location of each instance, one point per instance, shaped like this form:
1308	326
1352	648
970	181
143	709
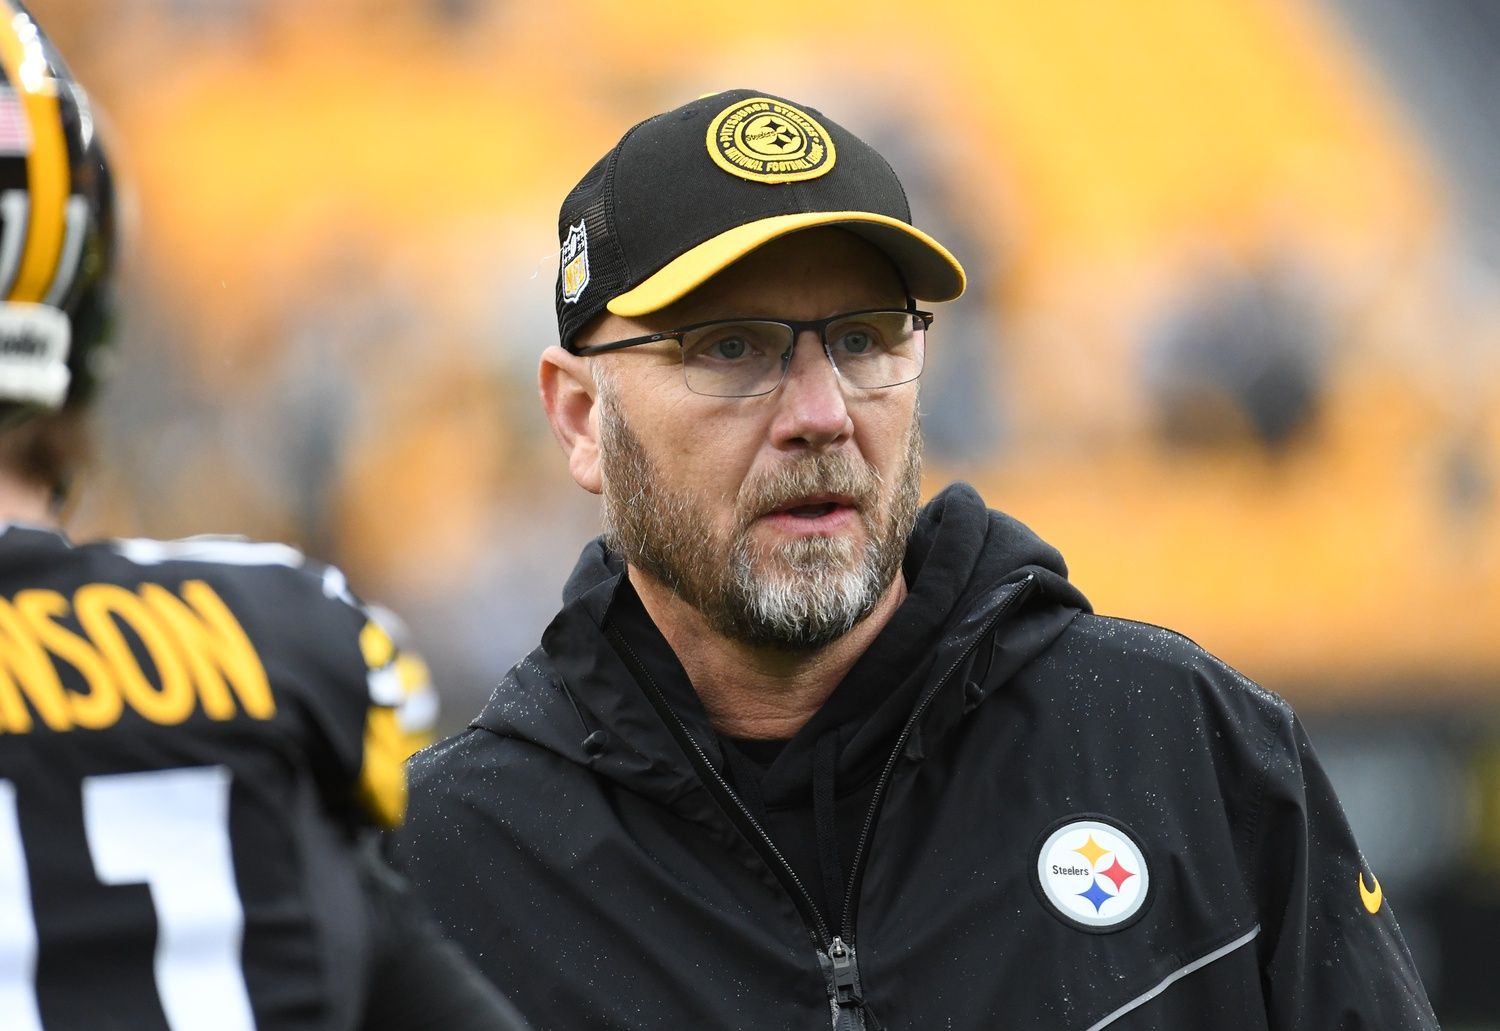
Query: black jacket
1039	818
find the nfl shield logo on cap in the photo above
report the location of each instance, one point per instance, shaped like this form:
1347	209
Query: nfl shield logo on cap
575	263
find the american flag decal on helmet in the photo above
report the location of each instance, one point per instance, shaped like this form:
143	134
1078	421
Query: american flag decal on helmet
15	134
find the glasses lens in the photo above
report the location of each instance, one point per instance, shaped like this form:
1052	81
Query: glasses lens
735	359
878	348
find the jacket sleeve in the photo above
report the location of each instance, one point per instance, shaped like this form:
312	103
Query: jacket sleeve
419	981
1332	956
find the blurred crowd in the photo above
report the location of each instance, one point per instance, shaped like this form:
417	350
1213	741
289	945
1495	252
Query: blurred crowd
1232	341
1227	335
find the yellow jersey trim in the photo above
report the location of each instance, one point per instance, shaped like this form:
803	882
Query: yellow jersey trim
382	777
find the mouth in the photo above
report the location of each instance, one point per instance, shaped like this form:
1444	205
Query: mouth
812	513
813	506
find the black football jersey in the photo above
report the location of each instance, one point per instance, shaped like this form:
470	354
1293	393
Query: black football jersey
192	735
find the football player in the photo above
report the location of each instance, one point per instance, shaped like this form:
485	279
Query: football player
198	739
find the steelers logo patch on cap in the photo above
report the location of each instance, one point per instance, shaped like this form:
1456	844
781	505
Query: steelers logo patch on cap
1092	874
769	141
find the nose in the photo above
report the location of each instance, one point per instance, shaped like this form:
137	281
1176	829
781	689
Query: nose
812	411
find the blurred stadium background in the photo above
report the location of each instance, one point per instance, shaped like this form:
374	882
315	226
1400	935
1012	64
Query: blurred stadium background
1233	340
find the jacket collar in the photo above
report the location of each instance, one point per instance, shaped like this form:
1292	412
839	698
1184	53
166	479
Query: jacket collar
578	696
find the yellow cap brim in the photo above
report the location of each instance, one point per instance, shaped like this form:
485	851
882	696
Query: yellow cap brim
929	271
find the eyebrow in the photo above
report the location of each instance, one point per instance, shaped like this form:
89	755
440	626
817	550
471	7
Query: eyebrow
696	315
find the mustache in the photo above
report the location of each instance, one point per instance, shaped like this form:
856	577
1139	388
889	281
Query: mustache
806	476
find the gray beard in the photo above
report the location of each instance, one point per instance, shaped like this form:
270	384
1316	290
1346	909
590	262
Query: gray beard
798	595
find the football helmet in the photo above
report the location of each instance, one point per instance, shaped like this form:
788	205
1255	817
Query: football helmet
57	227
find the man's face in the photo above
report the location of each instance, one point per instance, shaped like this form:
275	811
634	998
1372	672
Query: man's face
781	518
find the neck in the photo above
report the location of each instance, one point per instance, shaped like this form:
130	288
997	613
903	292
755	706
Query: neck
22	501
758	692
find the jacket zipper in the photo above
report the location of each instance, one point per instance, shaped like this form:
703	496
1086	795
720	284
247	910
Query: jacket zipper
856	867
848	998
836	953
816	927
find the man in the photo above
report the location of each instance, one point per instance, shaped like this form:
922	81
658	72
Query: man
197	738
796	751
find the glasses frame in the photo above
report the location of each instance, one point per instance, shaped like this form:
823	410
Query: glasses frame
798	327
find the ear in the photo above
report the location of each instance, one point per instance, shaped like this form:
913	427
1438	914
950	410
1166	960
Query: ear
569	397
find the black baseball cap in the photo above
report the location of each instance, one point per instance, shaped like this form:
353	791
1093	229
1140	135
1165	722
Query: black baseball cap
687	193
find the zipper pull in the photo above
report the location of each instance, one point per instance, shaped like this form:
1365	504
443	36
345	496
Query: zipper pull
846	999
845	974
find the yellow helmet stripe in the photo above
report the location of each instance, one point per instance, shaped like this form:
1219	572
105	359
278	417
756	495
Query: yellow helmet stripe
47	167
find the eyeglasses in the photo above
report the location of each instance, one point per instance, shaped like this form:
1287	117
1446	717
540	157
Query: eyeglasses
749	357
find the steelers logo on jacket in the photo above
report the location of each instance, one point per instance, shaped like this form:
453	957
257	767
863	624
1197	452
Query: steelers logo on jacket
1092	873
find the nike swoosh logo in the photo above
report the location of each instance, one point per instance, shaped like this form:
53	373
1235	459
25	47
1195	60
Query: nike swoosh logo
1370	896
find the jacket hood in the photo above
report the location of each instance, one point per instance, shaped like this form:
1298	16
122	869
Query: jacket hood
578	697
